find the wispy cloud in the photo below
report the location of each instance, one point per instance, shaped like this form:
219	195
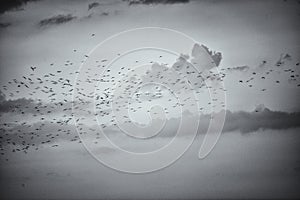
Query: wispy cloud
239	68
56	20
147	2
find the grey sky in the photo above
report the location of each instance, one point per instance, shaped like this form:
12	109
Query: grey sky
245	32
43	44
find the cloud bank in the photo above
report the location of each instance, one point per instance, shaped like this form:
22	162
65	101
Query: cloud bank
64	128
93	5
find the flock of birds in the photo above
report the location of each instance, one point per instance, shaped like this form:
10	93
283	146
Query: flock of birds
28	124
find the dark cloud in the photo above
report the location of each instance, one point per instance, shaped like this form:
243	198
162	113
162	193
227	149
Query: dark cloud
30	106
56	20
2	96
104	14
245	122
239	68
7	5
147	2
14	105
93	5
260	119
28	136
4	25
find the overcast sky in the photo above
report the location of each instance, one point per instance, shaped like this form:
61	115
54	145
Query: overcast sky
252	48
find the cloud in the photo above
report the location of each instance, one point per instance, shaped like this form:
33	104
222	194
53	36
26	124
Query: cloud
147	2
216	56
2	96
49	132
30	106
245	122
261	118
14	105
56	20
28	136
93	5
7	5
4	25
192	69
239	68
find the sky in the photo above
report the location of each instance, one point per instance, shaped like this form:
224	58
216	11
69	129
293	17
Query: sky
245	33
92	89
